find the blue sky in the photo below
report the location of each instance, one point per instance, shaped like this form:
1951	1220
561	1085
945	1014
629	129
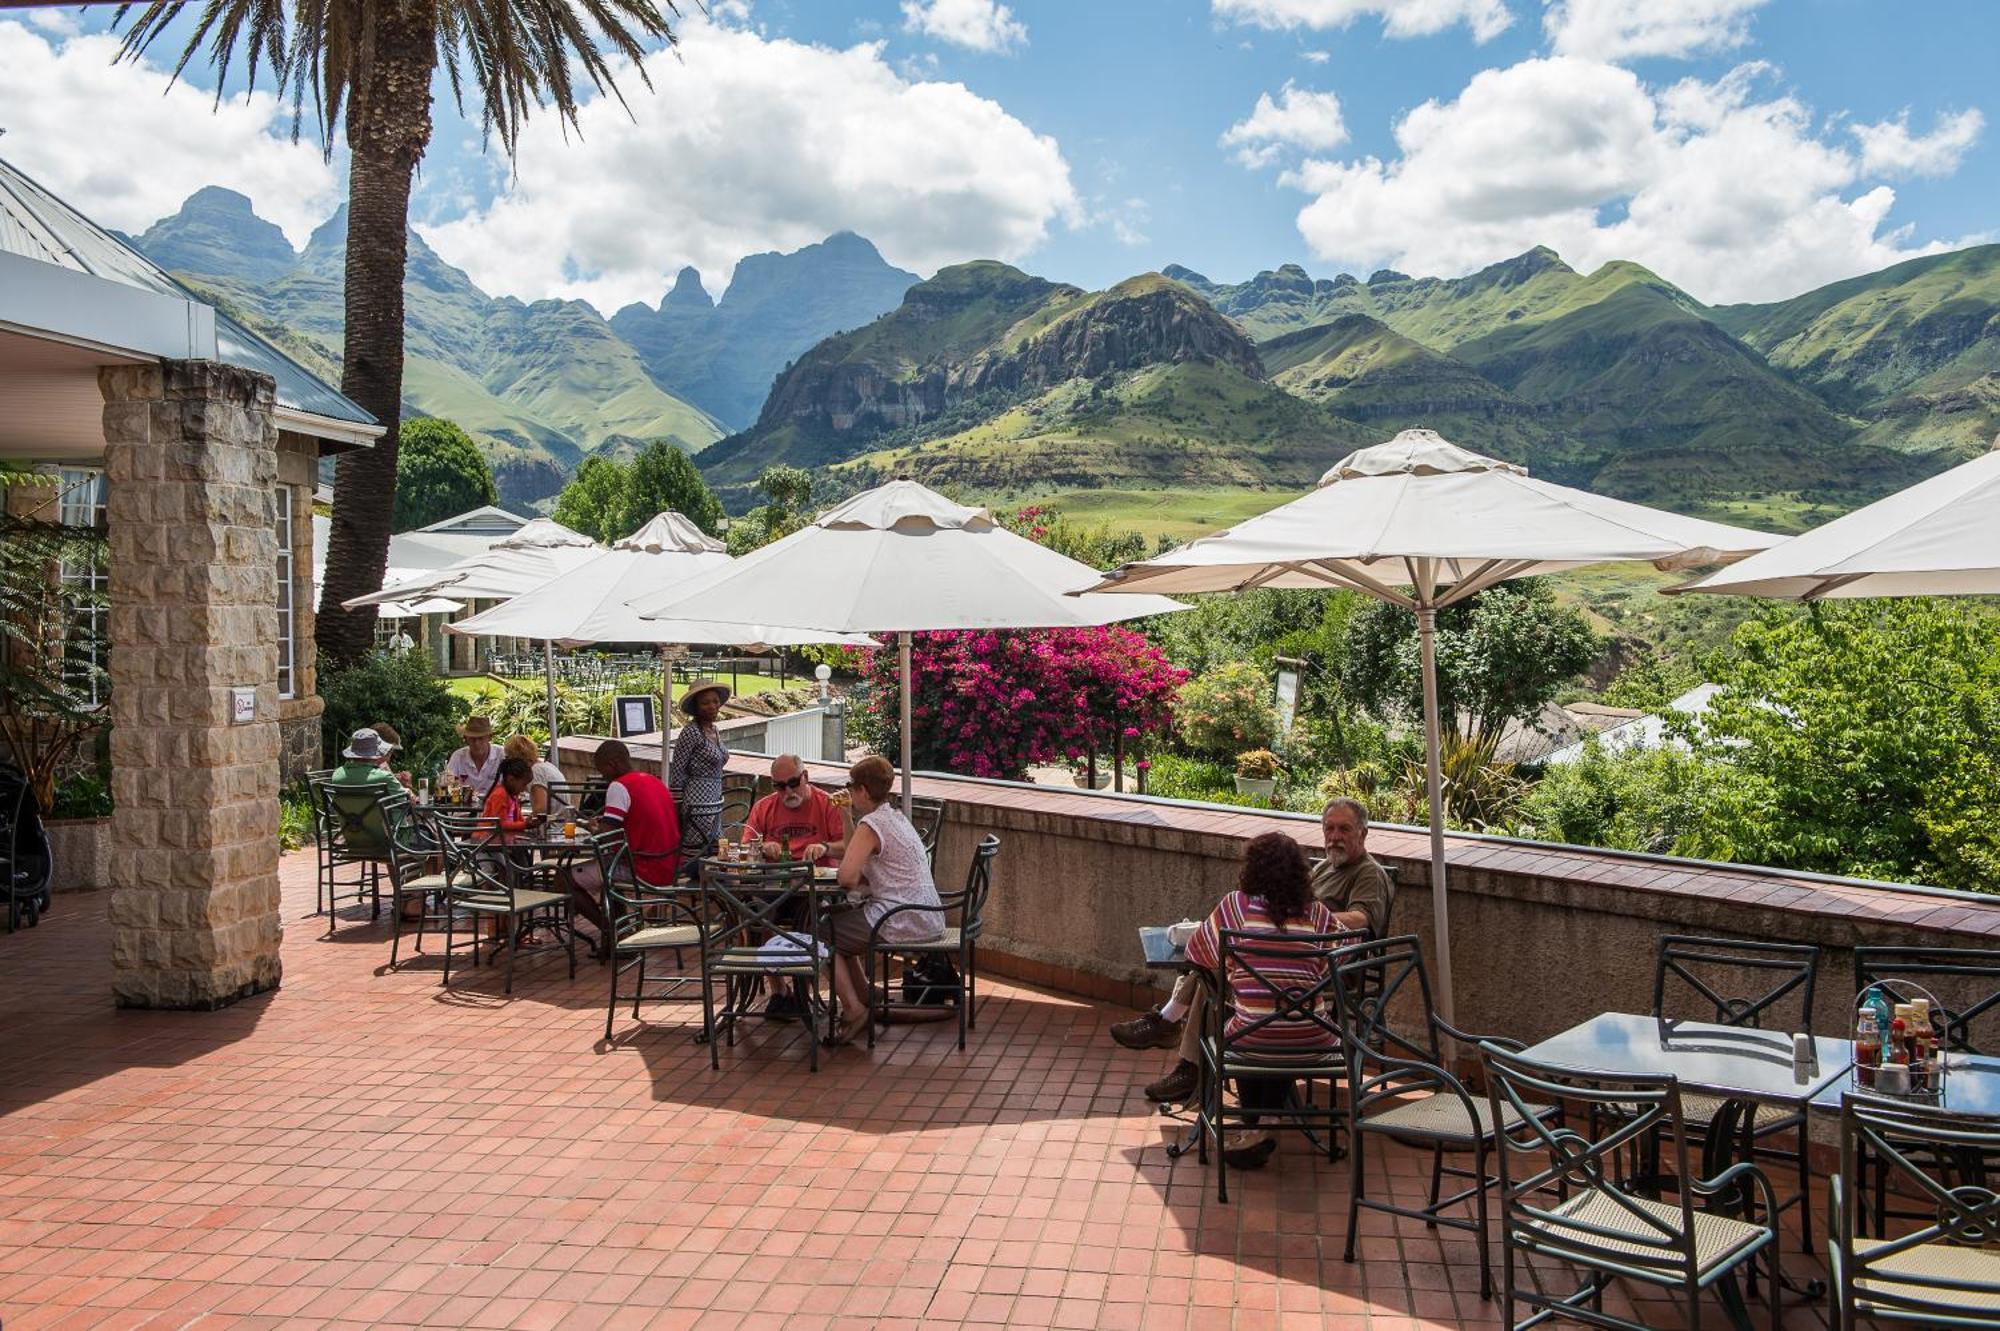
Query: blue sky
1748	149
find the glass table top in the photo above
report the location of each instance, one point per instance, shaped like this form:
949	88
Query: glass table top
1736	1062
1971	1086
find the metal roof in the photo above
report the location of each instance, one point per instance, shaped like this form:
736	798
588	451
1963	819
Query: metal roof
35	224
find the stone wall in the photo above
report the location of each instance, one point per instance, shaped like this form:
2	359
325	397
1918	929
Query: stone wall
1543	936
191	451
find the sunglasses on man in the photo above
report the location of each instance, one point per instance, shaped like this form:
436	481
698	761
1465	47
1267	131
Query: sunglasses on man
792	784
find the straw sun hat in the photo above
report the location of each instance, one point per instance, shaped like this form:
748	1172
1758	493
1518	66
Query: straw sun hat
699	687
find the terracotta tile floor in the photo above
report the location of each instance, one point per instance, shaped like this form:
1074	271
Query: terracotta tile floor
362	1149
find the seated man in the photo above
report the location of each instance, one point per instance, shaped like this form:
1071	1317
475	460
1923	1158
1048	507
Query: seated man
476	764
365	762
640	803
1348	879
800	818
797	817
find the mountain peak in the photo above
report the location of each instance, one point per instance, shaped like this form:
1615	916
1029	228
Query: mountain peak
217	233
688	293
1522	267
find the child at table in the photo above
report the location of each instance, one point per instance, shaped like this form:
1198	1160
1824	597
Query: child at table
503	802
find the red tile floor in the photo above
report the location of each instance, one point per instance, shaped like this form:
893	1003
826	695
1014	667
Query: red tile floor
363	1149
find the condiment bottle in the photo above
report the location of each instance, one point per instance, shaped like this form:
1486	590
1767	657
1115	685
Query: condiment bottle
1867	1045
1899	1049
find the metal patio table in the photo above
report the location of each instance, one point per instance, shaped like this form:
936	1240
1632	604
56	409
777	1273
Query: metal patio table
743	879
1744	1066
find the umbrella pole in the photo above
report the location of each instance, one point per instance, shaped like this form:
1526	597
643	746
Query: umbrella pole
549	669
903	664
1434	783
666	711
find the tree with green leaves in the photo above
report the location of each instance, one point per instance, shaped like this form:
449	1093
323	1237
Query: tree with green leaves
439	473
594	500
1501	655
1861	738
367	66
663	477
786	508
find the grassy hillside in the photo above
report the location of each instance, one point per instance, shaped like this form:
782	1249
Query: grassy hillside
1191	425
1914	349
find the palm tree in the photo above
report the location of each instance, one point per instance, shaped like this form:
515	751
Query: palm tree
370	63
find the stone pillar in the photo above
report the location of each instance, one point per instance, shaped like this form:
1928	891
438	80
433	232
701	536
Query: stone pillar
191	459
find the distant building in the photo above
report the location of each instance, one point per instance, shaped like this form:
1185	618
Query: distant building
1647	731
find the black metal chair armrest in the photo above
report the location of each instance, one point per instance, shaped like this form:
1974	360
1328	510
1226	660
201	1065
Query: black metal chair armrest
1730	1177
875	929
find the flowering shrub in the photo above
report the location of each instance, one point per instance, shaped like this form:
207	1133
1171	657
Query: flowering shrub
994	703
1227	710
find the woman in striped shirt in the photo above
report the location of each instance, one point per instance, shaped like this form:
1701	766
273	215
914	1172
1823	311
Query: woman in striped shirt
1273	897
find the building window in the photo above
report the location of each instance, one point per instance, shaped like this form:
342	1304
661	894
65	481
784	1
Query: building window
287	618
86	583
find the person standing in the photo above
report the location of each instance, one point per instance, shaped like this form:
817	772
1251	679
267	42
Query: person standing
695	773
477	763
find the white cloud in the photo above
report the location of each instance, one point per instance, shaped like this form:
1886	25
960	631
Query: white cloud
977	25
1400	18
1729	191
1889	148
747	144
122	147
1316	57
1634	29
1298	118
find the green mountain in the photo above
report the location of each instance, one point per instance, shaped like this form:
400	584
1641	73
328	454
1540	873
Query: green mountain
539	385
1616	379
1913	350
993	380
723	356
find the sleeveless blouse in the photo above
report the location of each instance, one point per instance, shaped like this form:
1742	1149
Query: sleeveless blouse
899	874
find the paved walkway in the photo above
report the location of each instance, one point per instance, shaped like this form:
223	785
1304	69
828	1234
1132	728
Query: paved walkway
362	1149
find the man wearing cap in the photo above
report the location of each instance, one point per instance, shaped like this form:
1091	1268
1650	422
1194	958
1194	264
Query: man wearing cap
478	762
695	774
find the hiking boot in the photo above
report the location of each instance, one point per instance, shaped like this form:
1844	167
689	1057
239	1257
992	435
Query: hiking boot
1177	1087
1148	1030
1249	1150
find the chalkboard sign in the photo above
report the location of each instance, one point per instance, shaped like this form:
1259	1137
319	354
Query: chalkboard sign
634	714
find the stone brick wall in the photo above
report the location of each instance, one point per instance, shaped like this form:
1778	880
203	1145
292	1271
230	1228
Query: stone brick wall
191	452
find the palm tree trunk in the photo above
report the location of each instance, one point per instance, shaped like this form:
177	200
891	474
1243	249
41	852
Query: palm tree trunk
388	129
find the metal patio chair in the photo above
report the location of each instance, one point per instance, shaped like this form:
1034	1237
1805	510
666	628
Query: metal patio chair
1734	982
1942	1272
646	921
1398	1088
354	830
487	885
959	941
1563	1198
927	815
744	909
1234	1057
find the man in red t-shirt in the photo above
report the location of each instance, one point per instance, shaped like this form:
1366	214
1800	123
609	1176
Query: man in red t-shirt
797	816
640	803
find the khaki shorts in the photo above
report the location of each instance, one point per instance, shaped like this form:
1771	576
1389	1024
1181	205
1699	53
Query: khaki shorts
846	929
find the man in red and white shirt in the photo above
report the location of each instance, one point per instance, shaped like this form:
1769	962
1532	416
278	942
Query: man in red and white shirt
640	803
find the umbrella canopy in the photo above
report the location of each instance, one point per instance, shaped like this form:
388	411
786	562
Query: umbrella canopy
435	605
587	603
1940	537
540	550
900	559
1422	523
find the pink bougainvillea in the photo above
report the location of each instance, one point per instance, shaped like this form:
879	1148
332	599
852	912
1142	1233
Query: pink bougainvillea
995	703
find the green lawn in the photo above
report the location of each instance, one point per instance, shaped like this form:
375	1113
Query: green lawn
1184	514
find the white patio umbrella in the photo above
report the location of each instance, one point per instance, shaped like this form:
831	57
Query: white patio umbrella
901	559
527	558
1422	523
589	602
1940	537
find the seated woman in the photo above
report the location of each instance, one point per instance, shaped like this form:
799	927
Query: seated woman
886	862
542	774
1273	896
